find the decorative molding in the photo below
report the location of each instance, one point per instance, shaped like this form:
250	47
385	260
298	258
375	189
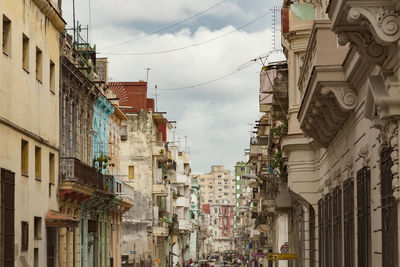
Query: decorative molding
337	177
348	168
345	96
383	22
364	154
366	45
328	110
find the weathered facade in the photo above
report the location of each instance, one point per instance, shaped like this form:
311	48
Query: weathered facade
29	131
87	191
342	147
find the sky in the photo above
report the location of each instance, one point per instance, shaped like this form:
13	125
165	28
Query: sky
213	115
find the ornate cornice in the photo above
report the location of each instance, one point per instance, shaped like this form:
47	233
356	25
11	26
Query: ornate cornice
328	109
383	21
370	25
365	45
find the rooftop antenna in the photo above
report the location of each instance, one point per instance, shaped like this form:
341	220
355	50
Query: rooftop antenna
156	97
147	74
73	17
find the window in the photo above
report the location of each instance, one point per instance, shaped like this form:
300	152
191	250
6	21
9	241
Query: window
36	257
233	187
51	168
131	173
210	186
25	52
38	227
389	210
225	194
202	180
363	216
337	226
24	236
209	200
38	163
39	66
225	187
6	36
348	222
24	157
124	133
52	80
242	169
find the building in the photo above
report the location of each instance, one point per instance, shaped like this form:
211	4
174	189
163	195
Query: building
29	130
90	198
341	150
217	192
194	219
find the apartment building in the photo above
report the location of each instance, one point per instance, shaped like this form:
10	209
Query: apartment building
29	130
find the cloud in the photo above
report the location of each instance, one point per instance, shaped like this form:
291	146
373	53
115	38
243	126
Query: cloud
214	117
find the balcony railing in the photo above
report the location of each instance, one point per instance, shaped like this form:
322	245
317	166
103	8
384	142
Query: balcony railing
76	171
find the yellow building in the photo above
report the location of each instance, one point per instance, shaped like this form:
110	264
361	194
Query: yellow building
29	130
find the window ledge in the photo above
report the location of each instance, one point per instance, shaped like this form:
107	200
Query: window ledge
27	71
38	179
40	81
25	175
52	91
5	53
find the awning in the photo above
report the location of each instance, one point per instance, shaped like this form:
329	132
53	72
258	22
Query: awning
58	220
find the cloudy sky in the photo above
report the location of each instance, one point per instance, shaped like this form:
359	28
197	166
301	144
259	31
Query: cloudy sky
214	116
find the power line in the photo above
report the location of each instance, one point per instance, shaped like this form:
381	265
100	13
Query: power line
199	84
189	46
167	27
215	114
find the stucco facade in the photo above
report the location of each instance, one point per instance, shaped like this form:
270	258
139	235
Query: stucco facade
29	132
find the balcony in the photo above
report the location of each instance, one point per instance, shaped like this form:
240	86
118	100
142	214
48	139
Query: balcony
182	179
160	190
182	202
274	87
161	230
327	98
184	225
73	170
158	149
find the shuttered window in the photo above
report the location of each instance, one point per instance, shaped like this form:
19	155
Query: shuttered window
389	211
348	221
328	230
7	215
337	226
312	236
363	216
321	237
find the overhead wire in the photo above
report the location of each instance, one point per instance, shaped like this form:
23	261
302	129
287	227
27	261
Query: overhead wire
167	27
188	46
199	84
215	114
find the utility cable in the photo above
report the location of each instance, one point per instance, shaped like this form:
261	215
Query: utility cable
199	84
167	27
189	46
214	114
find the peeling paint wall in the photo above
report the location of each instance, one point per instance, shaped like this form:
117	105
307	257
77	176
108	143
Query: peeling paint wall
136	151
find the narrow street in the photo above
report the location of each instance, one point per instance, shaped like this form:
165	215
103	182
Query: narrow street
154	133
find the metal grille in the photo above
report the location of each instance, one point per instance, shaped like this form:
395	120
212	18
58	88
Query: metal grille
363	216
321	232
312	236
389	211
328	229
348	221
337	227
7	217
